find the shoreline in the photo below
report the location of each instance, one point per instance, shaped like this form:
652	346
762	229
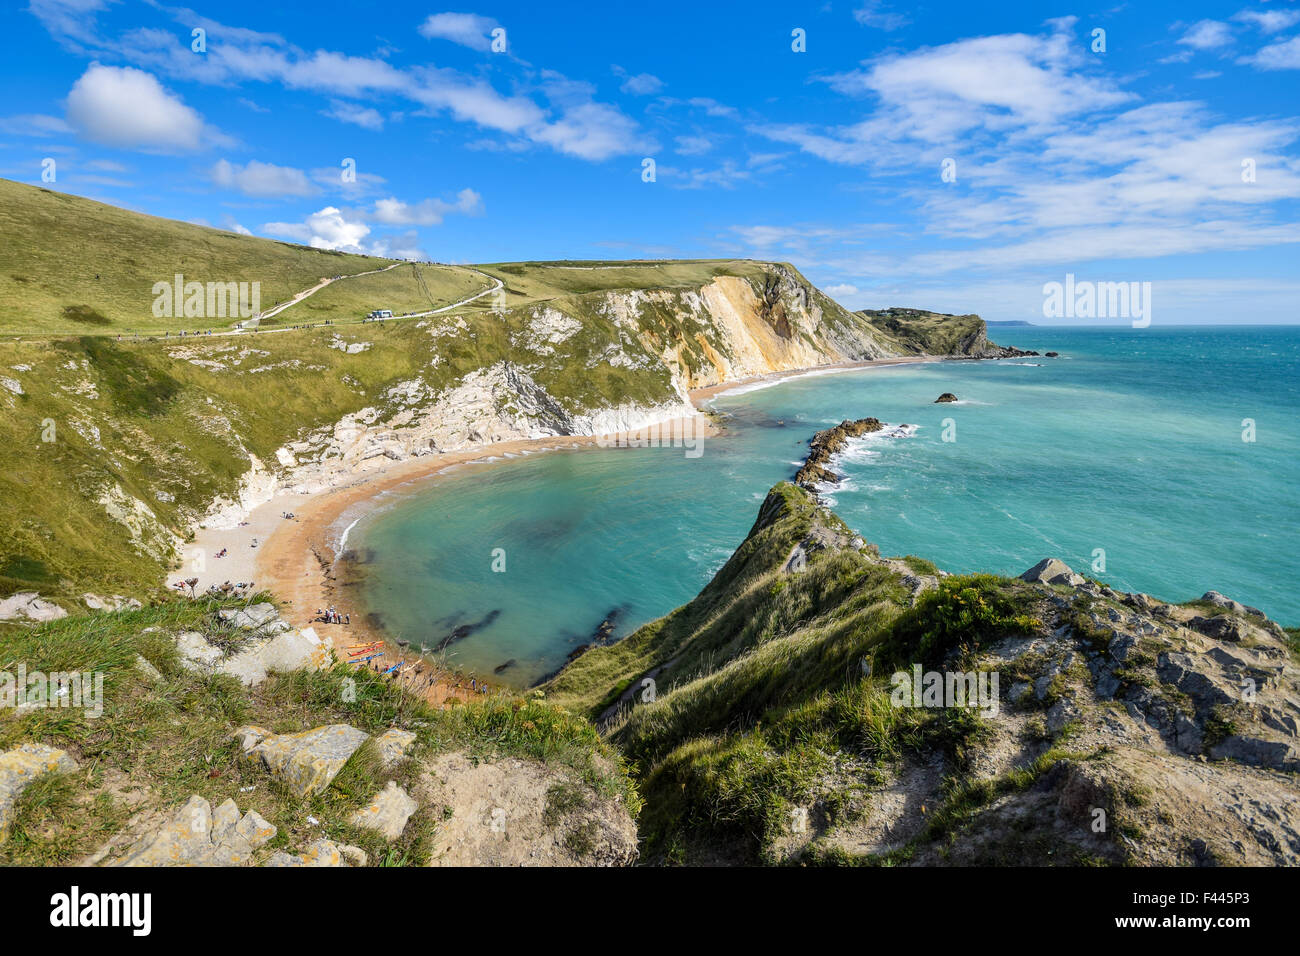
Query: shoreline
296	558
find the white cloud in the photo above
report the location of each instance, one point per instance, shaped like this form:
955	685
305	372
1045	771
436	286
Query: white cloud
330	228
640	84
1282	55
363	116
467	29
126	107
876	14
841	288
1207	35
262	180
693	145
1269	21
34	124
429	212
593	131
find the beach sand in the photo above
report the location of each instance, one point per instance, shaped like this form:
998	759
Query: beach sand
295	558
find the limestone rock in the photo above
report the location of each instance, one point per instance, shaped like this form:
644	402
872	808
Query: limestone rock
196	653
1052	571
387	812
393	744
28	604
288	651
249	618
197	835
22	765
320	853
306	761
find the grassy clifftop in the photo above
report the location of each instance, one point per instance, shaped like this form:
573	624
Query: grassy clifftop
74	266
763	722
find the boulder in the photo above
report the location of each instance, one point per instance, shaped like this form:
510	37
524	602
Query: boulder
197	835
945	397
289	651
306	761
393	744
1052	571
196	653
22	765
249	618
387	812
1221	628
28	604
320	853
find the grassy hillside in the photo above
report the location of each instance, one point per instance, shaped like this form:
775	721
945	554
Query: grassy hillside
528	282
409	288
74	266
935	333
164	737
759	718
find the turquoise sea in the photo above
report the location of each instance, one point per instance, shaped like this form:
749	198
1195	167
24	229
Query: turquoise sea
1130	443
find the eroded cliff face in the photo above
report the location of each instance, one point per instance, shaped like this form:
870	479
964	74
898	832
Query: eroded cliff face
729	329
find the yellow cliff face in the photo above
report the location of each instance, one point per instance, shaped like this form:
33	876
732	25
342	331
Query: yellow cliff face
746	336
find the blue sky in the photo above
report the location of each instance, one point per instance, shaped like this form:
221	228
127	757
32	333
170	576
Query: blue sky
1122	165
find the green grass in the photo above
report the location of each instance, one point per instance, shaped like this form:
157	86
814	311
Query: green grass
409	288
762	698
171	739
72	266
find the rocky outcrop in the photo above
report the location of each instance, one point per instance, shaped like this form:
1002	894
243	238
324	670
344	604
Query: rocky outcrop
307	761
320	853
825	445
198	835
19	768
30	606
271	646
945	397
1052	571
387	812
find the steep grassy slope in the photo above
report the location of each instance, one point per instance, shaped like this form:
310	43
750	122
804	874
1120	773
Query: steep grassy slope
761	722
74	266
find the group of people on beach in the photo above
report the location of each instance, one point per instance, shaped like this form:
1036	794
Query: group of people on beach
331	616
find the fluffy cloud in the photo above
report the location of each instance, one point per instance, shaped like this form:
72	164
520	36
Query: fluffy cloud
467	29
362	116
429	212
262	179
1269	21
330	228
1207	35
1283	55
129	108
640	84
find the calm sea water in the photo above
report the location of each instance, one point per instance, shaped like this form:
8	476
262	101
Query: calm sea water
1129	446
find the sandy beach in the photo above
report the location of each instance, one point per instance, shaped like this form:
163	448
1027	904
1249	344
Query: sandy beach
294	557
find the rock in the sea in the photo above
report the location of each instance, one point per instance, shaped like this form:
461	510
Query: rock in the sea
306	761
1052	571
199	836
1051	354
19	767
945	397
825	444
387	812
